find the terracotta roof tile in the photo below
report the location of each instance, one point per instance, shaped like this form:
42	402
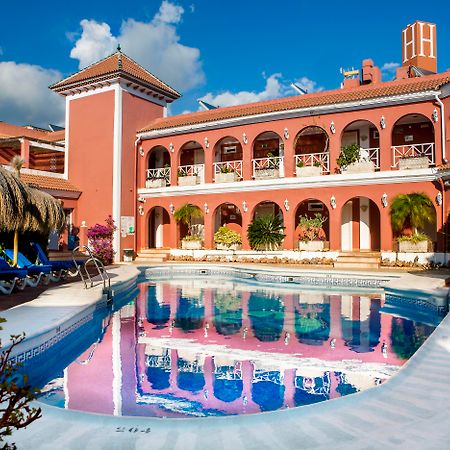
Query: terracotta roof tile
8	130
364	92
110	67
44	182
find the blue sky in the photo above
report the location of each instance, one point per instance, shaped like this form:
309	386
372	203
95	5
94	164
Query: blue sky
226	52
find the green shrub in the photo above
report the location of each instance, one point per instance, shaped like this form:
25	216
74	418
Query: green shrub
266	233
310	228
226	236
349	154
415	238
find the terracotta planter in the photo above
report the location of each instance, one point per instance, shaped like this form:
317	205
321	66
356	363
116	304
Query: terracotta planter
420	162
359	167
156	183
411	247
191	245
308	171
263	174
311	246
230	177
231	247
190	180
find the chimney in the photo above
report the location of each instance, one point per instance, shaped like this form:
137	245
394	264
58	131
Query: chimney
419	46
370	73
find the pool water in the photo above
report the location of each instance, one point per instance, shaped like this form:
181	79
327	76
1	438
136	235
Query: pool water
197	347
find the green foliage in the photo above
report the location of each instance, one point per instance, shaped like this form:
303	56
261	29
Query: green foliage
227	302
413	210
310	228
266	233
273	163
226	169
349	154
193	237
301	163
186	213
415	238
316	164
15	397
226	236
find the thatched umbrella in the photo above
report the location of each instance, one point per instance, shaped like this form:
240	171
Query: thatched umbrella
26	209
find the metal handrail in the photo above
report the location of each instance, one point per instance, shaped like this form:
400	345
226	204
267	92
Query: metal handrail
97	263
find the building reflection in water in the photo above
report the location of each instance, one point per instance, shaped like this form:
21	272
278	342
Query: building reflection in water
183	349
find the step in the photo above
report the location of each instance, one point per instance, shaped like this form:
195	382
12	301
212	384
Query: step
356	265
154	260
361	254
153	251
359	259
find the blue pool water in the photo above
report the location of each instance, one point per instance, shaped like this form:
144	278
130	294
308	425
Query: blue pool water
190	347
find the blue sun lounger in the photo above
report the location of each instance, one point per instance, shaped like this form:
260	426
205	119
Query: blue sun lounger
34	270
57	265
11	277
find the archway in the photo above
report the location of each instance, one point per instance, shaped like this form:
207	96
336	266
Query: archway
228	215
158	228
268	153
158	167
227	160
360	225
191	169
413	138
312	149
310	209
366	135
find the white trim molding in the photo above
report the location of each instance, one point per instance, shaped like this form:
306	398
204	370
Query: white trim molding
117	169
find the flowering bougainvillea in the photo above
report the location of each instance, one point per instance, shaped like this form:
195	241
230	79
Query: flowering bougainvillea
101	240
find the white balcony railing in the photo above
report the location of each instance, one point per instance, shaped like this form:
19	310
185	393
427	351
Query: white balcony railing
227	167
267	167
162	173
412	151
371	154
314	159
193	170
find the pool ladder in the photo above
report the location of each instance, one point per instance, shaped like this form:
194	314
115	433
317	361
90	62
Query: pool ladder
85	275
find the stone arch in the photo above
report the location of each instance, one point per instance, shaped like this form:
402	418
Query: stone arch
158	228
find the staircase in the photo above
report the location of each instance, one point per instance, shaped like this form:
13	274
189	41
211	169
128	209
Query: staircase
152	256
358	260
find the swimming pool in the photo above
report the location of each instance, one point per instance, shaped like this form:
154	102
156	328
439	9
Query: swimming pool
202	346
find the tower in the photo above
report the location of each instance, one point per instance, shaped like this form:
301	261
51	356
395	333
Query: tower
419	46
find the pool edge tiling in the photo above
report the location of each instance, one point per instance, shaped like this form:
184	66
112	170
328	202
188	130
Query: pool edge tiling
411	409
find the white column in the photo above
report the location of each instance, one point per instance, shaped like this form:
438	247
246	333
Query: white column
346	227
116	365
364	224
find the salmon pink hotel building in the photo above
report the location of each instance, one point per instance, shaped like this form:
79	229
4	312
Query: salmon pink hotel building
120	154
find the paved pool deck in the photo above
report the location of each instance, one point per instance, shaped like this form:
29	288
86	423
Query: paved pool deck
409	411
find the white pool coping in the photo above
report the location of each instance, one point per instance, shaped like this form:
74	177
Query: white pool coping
411	410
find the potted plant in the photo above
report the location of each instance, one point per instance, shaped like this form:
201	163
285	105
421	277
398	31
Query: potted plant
187	180
270	170
155	182
266	233
350	160
227	174
409	213
311	233
308	171
185	214
227	239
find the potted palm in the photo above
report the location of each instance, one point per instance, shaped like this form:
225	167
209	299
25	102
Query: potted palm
227	239
350	160
186	214
409	214
311	233
227	174
266	233
308	171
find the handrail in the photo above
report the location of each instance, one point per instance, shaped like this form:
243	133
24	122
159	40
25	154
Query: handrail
97	263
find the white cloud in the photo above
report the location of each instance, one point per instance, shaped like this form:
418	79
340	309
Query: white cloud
155	45
25	97
390	67
275	87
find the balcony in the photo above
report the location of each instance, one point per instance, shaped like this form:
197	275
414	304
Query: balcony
228	171
413	156
312	164
157	178
190	175
265	168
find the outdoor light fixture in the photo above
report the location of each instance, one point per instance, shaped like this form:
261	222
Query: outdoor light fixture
434	115
286	133
206	142
171	208
141	210
384	200
439	199
244	138
333	202
382	122
171	147
141	151
206	208
286	205
244	206
332	127
141	199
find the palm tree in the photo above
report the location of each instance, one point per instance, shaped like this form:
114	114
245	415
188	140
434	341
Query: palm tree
186	213
413	210
266	232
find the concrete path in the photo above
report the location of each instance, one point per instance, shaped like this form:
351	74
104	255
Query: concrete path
410	411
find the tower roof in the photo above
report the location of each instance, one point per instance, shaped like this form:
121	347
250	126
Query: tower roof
117	65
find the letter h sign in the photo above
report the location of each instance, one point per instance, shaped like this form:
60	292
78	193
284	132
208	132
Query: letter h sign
419	45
